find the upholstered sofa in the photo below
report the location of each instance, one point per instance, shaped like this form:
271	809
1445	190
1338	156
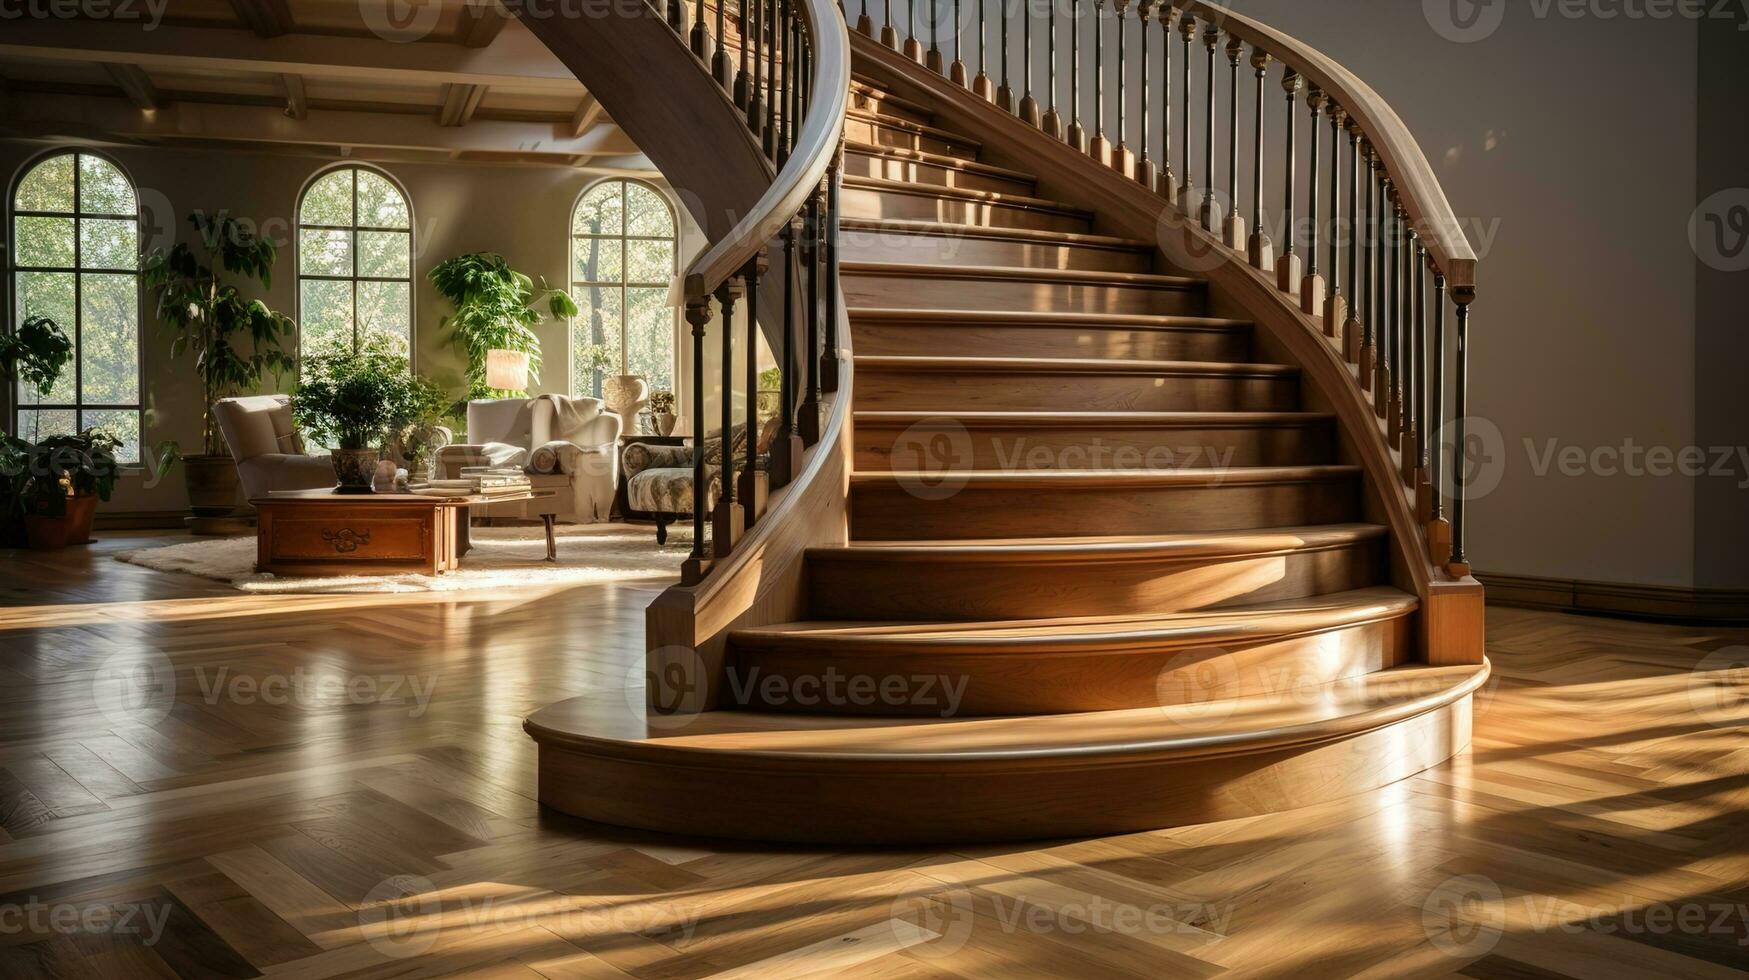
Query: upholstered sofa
265	444
659	478
567	445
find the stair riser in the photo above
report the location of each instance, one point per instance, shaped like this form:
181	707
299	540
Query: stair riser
879	134
942	683
991	589
890	512
1020	448
1008	295
921	338
947	392
883	104
862	245
862	202
917	172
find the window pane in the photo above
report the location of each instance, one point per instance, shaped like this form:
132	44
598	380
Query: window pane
106	244
49	294
324	253
599	211
649	261
123	423
102	187
650	337
48	186
595	330
325	314
109	340
647	213
380	204
385	254
34	426
45	242
597	260
329	200
384	309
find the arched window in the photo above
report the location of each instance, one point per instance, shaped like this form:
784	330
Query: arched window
622	262
76	260
355	260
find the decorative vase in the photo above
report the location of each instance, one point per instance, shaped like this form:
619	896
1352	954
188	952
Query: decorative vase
665	423
354	469
625	395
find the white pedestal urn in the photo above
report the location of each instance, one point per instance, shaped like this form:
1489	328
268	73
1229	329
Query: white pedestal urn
625	395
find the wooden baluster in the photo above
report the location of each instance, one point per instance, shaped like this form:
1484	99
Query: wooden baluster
1287	268
1077	136
956	72
1167	184
913	46
1100	148
829	354
982	87
722	69
864	26
1259	249
1334	307
1052	122
809	422
772	28
677	17
750	76
1312	286
726	521
701	38
698	314
1145	170
749	491
1235	236
744	32
1028	110
934	62
1187	199
1211	207
889	32
1351	306
1459	566
1005	91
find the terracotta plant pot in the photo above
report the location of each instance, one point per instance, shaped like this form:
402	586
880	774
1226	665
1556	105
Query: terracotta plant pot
212	485
354	469
45	533
81	510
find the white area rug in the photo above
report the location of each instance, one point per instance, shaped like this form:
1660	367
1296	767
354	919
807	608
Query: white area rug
501	557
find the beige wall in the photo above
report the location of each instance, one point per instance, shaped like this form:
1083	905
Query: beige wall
522	212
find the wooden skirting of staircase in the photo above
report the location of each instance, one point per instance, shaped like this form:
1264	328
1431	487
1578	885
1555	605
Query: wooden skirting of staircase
1659	602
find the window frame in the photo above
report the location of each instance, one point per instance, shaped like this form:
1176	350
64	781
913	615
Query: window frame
575	285
411	231
78	406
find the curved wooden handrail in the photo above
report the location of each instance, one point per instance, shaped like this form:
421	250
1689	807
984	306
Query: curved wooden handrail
816	146
1423	199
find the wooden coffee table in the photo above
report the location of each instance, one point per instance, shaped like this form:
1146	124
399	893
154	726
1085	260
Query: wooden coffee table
320	532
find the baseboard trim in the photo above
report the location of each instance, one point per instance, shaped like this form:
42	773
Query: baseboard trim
1664	602
140	520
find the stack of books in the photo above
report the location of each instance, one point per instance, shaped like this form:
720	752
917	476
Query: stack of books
479	481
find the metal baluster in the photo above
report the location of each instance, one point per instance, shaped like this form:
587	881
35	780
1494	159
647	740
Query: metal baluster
865	26
1399	322
701	39
1418	370
1077	135
750	77
1235	225
1381	317
982	86
1333	304
786	95
677	16
913	47
744	31
889	32
810	415
721	68
750	467
1187	190
1100	147
1287	268
1145	171
726	522
1052	122
1351	325
772	27
957	73
829	355
1028	105
1211	207
1435	421
698	314
1460	559
787	454
934	62
1005	91
1167	184
1312	286
1393	312
1122	160
1369	258
1260	250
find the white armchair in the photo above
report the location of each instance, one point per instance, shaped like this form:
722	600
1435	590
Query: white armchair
265	444
569	445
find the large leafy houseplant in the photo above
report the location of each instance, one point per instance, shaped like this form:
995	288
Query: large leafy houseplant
496	308
357	398
235	340
36	353
52	486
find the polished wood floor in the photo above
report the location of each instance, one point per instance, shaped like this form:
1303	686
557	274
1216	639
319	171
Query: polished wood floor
195	782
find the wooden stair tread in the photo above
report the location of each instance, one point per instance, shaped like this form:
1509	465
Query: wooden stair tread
1050	318
1139	420
1078	365
611	726
1118	547
994	198
1139	280
952	229
912	126
930	158
866	87
1232	476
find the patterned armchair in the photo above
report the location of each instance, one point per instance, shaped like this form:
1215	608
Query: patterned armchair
659	478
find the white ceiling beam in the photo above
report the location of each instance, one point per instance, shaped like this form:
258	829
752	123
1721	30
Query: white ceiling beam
56	115
297	101
135	84
267	18
482	22
459	104
517	61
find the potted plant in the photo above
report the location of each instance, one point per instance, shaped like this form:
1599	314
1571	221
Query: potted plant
354	399
430	429
662	408
496	308
36	353
52	487
235	340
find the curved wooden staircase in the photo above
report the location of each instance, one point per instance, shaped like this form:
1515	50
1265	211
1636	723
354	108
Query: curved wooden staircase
1111	556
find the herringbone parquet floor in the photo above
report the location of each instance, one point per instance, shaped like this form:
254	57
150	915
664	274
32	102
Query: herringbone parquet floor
194	782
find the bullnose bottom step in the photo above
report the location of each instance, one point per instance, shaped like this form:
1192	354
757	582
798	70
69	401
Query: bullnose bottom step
753	776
